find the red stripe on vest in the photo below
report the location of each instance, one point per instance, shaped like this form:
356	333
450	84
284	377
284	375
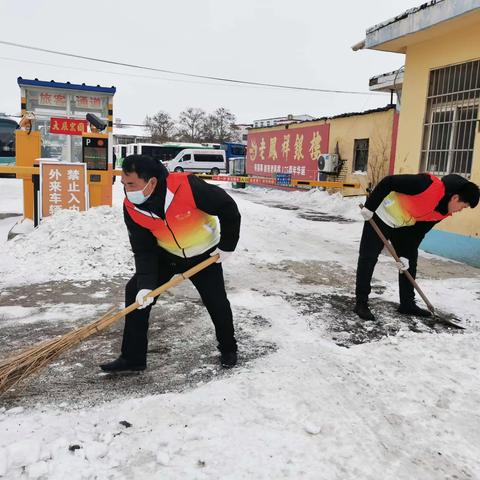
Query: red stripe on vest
422	206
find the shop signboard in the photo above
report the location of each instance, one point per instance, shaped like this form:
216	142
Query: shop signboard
68	126
289	150
49	98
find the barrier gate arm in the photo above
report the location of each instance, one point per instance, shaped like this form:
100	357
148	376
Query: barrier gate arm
27	172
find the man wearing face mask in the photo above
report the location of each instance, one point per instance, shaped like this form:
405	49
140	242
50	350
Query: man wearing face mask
405	208
174	222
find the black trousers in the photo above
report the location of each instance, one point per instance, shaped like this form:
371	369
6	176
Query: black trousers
405	240
210	285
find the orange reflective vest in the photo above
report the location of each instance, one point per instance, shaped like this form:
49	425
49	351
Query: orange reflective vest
402	210
186	231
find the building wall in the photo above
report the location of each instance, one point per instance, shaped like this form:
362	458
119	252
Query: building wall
448	47
378	128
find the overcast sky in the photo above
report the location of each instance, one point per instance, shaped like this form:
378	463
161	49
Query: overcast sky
292	42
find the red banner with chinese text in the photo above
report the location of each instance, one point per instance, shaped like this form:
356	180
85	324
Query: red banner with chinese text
293	150
68	126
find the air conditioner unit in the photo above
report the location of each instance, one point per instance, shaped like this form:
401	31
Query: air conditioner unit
328	162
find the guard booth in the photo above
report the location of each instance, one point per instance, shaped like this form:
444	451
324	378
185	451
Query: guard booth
59	130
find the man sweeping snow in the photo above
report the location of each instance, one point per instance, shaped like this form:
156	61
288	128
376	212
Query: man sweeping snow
405	208
175	221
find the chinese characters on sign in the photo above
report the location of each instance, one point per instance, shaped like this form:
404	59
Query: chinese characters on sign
68	126
294	150
84	101
63	186
52	99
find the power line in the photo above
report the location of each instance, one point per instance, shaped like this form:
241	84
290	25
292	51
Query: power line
173	72
19	60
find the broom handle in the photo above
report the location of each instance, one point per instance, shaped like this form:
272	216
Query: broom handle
154	293
183	276
393	253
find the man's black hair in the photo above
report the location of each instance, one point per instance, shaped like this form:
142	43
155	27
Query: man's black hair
469	193
145	167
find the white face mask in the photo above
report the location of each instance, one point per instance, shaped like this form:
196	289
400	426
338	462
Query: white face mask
137	197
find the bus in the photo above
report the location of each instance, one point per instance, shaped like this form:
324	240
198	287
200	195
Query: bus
7	140
161	151
234	149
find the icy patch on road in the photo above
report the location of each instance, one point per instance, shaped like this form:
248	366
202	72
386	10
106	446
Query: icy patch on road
15	311
50	313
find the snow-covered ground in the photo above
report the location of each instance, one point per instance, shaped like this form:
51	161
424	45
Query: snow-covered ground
402	407
11	205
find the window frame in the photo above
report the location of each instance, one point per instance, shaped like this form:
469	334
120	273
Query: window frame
356	143
452	88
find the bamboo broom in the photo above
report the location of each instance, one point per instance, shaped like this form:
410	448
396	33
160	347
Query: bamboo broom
23	365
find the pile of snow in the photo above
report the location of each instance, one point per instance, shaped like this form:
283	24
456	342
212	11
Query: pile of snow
69	245
93	245
314	199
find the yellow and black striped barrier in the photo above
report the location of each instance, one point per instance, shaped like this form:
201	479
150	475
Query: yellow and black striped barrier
27	172
271	181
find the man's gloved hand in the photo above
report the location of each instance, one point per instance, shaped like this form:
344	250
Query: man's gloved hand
366	214
140	298
221	254
403	265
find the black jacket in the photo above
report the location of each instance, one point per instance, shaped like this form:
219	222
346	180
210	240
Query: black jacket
209	198
413	184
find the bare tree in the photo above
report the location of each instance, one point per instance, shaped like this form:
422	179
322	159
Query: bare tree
191	124
219	127
161	126
379	158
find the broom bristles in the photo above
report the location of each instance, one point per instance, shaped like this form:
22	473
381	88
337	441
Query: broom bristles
30	361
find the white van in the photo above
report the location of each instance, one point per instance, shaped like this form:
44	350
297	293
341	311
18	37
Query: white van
201	160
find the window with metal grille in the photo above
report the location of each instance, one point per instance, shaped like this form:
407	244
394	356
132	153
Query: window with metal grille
451	118
360	155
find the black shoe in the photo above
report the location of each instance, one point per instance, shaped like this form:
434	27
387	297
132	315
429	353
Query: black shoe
362	310
122	365
414	309
228	359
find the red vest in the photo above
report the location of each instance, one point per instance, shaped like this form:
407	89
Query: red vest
186	231
402	210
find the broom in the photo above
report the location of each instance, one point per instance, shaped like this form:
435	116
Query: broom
30	361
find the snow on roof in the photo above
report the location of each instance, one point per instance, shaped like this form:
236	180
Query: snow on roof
403	15
387	81
415	20
340	115
120	130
